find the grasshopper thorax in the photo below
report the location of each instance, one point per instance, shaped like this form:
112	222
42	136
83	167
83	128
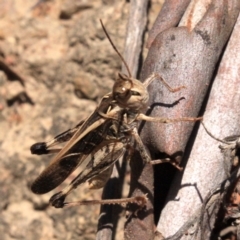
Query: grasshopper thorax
130	93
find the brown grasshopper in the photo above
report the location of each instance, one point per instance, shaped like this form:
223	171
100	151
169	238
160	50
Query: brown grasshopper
97	143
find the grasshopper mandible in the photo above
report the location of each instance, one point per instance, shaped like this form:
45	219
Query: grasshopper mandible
101	140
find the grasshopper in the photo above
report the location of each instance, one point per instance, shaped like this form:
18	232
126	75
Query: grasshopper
97	143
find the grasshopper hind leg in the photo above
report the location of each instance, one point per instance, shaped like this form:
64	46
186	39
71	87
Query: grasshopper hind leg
40	148
145	156
58	200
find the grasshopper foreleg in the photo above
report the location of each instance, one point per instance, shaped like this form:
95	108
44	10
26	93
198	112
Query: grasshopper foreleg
154	76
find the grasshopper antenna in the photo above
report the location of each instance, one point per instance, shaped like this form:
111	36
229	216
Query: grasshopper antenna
119	54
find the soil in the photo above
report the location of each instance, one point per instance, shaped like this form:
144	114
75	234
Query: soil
55	65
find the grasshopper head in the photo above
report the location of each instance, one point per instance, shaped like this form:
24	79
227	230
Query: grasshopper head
130	93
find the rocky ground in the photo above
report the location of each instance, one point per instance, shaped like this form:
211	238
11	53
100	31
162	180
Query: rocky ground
55	64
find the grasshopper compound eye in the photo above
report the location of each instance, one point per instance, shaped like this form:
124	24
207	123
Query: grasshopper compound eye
122	89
